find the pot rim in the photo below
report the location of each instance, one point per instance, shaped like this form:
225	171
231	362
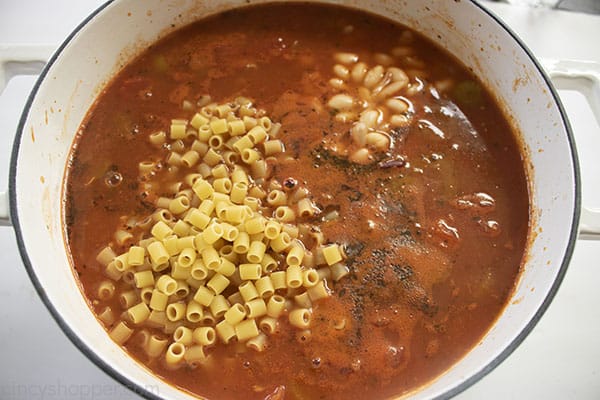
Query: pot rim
143	391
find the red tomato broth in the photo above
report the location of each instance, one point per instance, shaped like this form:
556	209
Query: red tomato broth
418	298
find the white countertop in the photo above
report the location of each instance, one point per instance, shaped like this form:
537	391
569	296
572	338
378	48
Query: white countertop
559	360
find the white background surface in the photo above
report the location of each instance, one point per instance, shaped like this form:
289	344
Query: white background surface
559	360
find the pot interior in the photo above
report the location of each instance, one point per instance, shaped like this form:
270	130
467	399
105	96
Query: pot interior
79	71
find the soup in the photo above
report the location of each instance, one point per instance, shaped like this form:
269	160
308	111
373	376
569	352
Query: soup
296	201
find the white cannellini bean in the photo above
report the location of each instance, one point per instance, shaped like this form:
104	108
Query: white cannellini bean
370	118
397	106
365	94
358	72
341	102
398	75
399	120
417	73
373	77
391	90
383	59
402	51
387	78
414	62
361	156
346	58
337	83
414	88
406	37
315	103
444	85
341	71
384	126
359	133
345	116
378	140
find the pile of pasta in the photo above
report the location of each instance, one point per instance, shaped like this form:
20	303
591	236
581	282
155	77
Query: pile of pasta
223	258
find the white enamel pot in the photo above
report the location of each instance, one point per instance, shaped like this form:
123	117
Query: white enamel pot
92	54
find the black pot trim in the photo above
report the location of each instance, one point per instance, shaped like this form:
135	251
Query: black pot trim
89	352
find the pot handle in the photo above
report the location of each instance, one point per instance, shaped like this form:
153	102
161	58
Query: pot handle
19	60
4	214
584	77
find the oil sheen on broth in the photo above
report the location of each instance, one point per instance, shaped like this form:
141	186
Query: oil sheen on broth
433	228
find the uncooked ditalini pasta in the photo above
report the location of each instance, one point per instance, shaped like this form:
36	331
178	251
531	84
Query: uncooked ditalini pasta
194	312
264	286
155	345
225	331
268	325
221	259
256	308
121	333
218	306
107	316
258	342
300	318
159	300
166	285
175	311
128	299
183	335
175	353
106	290
106	256
205	336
